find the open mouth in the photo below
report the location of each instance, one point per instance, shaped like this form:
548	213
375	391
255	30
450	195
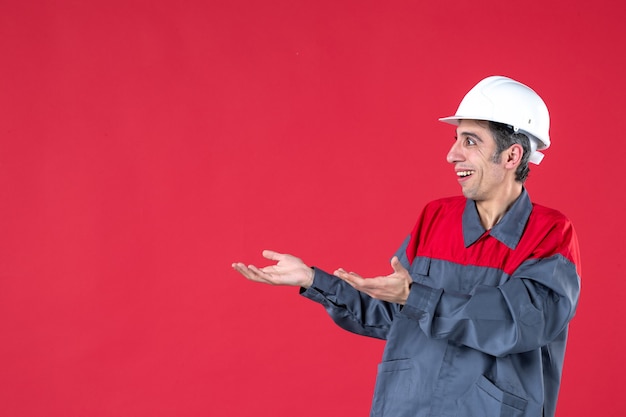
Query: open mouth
463	174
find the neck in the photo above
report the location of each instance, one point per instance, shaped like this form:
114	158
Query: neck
493	210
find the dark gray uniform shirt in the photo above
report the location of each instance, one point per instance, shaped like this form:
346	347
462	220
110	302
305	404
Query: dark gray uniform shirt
484	329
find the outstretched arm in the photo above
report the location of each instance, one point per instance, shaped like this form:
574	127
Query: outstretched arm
288	270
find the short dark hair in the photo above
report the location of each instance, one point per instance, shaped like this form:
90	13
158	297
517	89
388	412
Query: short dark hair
505	137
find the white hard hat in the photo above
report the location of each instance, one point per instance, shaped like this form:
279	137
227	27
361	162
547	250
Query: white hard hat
503	100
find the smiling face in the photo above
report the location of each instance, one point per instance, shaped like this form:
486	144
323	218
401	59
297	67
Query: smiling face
483	175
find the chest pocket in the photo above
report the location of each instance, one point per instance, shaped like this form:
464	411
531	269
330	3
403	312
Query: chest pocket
420	269
450	276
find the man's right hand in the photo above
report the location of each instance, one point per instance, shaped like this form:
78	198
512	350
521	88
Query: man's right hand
288	270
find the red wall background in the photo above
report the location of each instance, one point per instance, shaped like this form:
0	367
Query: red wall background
146	145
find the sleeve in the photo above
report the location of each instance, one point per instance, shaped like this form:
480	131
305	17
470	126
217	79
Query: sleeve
350	309
531	309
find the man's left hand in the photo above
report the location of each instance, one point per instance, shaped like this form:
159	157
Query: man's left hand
393	288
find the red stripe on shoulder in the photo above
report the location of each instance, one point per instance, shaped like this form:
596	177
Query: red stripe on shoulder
453	207
551	233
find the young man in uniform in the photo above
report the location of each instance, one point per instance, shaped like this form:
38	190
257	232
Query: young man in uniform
477	308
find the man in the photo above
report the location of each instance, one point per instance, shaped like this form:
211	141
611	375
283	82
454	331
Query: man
476	310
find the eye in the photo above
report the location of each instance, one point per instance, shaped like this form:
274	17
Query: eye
469	141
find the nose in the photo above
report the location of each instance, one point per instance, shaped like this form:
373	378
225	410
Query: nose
455	154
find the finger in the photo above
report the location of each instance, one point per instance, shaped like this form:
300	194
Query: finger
343	271
343	274
397	265
339	271
259	274
239	267
352	279
348	280
247	272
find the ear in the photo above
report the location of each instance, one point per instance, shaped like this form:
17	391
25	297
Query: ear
513	156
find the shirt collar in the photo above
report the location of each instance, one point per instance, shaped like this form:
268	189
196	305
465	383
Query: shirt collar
508	230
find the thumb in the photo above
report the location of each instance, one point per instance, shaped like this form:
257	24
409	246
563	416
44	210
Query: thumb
397	265
271	255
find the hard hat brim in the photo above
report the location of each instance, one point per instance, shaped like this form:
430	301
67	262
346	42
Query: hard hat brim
453	120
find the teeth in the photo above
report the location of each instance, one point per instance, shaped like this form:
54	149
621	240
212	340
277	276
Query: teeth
464	173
